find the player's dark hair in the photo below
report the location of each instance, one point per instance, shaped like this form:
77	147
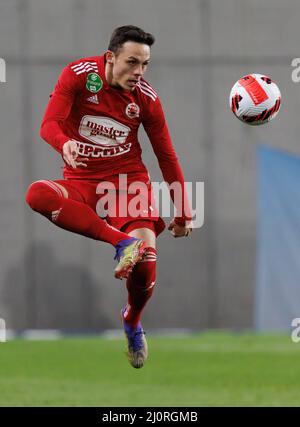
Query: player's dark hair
127	33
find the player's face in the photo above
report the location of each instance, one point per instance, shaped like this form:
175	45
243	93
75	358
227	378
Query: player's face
129	64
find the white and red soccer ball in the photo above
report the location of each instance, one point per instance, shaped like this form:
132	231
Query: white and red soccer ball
255	99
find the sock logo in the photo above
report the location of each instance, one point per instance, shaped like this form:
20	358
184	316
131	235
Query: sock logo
152	284
126	311
54	214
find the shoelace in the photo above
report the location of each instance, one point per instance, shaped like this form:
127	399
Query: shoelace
121	247
136	341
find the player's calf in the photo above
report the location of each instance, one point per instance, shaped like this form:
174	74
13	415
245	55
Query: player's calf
140	285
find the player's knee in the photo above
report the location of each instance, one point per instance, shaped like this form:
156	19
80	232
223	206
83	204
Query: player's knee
40	195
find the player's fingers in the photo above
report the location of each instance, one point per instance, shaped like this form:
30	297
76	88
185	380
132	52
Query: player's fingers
67	152
66	160
176	234
82	161
73	150
72	162
187	232
171	225
81	164
70	147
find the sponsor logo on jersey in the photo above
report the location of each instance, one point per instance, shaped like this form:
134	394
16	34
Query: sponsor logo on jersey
103	131
93	82
95	151
132	110
93	99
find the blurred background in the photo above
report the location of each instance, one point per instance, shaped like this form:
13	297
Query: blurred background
241	269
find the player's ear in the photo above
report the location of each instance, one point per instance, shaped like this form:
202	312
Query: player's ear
110	57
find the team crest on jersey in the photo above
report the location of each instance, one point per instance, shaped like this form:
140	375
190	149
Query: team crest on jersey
132	110
93	82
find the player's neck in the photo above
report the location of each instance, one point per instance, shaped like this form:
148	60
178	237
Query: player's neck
108	74
110	80
109	77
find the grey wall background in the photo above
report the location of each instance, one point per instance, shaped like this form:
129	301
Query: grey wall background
54	279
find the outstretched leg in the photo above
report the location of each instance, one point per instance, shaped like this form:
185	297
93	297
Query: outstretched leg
66	209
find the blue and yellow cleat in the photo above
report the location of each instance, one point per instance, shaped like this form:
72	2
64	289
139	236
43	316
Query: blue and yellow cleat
128	253
137	348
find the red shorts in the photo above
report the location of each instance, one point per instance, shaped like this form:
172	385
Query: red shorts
121	209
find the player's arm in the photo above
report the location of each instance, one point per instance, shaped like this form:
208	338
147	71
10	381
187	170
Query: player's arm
157	130
57	110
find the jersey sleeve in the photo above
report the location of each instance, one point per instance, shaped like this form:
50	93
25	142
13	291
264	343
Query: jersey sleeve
59	107
157	130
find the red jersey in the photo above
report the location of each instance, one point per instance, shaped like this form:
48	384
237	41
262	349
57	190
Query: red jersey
105	121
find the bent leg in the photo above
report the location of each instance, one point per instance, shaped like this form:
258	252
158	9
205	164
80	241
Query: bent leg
65	207
140	283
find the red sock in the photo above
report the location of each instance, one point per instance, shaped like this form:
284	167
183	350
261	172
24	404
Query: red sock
140	286
70	214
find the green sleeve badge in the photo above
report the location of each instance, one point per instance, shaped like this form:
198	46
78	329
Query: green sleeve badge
93	82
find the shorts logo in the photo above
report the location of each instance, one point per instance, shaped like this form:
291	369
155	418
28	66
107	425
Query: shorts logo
132	110
93	82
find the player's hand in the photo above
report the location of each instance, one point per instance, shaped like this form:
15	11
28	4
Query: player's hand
180	231
71	156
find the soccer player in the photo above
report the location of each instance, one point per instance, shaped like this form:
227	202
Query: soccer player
92	120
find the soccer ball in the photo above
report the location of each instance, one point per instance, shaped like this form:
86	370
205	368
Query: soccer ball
255	99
